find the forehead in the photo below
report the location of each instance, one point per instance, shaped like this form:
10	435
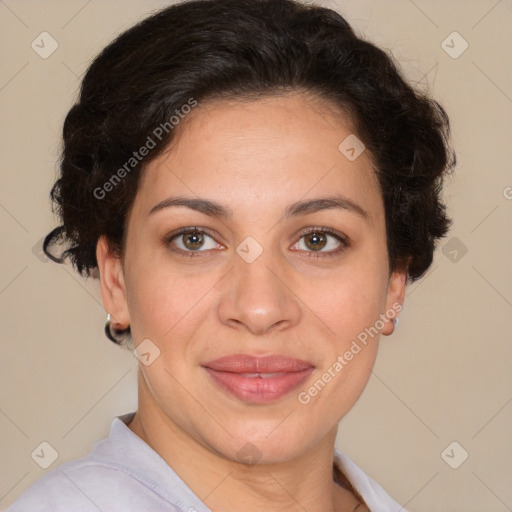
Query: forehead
272	149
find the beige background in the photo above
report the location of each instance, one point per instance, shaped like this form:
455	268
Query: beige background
443	377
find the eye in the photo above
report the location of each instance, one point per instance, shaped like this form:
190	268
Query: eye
321	240
191	240
315	242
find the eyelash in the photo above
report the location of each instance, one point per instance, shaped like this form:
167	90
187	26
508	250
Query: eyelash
310	254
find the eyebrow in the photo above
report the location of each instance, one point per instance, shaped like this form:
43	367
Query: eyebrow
213	209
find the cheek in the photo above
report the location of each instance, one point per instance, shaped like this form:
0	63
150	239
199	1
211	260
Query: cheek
350	301
351	311
352	306
165	305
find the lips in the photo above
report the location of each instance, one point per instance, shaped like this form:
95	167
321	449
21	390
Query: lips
243	363
258	380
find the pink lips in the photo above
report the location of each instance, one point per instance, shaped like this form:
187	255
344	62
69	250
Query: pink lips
258	379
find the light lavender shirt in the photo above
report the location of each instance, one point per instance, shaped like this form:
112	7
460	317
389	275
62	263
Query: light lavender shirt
124	474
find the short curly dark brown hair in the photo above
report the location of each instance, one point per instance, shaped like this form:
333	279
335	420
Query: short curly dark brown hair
207	50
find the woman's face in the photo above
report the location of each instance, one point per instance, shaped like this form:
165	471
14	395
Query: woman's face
261	276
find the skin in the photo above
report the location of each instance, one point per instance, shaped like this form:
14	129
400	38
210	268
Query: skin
255	158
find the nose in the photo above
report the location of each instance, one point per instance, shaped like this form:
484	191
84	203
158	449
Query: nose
258	297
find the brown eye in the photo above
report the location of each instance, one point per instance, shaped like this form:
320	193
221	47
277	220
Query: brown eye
321	242
193	241
315	241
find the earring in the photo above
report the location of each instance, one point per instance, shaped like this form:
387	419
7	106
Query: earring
108	332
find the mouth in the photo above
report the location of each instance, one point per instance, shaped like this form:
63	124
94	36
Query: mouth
258	380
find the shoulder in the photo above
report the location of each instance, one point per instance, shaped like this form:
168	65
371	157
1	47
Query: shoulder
377	499
86	485
56	489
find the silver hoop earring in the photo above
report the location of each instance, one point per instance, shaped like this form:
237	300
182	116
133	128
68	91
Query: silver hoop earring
108	334
117	336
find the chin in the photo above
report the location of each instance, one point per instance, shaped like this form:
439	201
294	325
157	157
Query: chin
267	442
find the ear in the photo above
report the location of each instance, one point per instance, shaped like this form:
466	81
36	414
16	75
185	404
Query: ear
394	300
113	291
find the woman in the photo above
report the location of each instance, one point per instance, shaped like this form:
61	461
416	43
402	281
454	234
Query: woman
255	185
